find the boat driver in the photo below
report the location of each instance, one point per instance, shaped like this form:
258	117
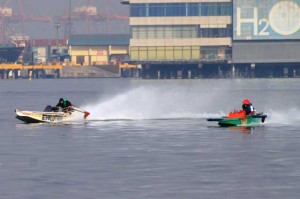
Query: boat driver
247	107
64	104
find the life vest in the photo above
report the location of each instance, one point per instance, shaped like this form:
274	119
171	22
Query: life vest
65	103
249	109
240	114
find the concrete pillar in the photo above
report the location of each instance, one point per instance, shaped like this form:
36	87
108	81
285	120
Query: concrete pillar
286	72
30	74
35	74
16	74
57	73
6	74
2	74
179	74
136	73
219	71
252	70
10	74
233	71
42	73
172	74
90	57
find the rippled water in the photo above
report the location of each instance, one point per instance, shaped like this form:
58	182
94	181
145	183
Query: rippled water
150	139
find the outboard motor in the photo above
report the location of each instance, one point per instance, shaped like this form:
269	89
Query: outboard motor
263	118
51	109
48	108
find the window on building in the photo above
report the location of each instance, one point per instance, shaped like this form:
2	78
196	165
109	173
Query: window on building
138	10
80	60
143	54
209	53
157	9
164	32
134	53
212	9
194	9
215	32
181	9
151	53
215	53
143	32
160	32
151	31
204	9
224	9
165	53
175	9
161	53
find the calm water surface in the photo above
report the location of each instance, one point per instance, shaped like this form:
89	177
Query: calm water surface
150	139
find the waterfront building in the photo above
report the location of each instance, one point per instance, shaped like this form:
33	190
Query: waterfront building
266	37
215	38
98	49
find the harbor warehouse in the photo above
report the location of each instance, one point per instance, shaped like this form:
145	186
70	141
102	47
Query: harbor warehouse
88	50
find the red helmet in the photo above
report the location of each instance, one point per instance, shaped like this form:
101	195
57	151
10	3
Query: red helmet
246	101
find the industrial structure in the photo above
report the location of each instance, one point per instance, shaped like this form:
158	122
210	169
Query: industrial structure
22	56
90	15
169	39
86	14
215	38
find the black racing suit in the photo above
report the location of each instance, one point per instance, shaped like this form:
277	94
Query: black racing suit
248	108
64	104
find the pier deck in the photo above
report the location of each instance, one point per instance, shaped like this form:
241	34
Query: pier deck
15	71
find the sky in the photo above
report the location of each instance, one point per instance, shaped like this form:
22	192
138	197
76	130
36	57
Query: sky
56	8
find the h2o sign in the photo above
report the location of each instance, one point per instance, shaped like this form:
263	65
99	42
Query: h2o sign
283	18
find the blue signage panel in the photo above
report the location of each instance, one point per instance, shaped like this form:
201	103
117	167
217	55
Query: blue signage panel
266	19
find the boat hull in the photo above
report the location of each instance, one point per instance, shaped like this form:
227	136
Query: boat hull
244	121
43	117
248	120
10	54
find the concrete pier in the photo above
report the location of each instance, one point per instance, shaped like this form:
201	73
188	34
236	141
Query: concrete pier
219	70
16	71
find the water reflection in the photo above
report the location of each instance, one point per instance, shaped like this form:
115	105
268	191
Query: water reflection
242	129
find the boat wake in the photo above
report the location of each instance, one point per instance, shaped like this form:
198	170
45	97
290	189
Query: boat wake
146	103
284	117
169	102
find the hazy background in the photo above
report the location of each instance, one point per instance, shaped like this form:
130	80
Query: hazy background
56	8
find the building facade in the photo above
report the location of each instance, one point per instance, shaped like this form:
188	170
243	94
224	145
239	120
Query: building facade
92	50
47	50
215	38
266	37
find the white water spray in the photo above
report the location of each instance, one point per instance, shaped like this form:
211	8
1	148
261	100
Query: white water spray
283	117
200	100
149	102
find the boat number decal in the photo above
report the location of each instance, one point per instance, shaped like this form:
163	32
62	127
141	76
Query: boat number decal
52	118
244	120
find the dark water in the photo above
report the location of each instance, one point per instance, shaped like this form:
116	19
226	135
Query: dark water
150	139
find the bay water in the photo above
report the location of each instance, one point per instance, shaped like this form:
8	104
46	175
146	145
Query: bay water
150	139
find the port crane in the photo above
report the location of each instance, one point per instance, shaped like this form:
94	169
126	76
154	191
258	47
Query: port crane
88	14
8	19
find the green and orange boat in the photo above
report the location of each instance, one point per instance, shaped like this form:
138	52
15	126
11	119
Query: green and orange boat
239	119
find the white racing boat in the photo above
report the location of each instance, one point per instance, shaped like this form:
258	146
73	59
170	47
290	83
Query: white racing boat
49	116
